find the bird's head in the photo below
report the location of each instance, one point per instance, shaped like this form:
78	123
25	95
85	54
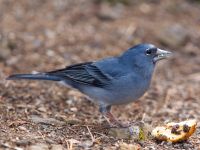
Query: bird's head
144	56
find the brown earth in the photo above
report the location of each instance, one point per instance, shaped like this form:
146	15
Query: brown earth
44	35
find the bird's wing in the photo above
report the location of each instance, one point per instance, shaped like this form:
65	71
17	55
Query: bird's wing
112	67
84	73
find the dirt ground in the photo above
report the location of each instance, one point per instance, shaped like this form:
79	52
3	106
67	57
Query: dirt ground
45	35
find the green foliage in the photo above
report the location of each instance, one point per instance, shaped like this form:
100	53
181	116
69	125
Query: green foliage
142	135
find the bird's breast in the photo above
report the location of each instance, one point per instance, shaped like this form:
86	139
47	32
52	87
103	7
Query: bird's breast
128	90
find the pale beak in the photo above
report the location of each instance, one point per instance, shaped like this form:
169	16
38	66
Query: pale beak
161	54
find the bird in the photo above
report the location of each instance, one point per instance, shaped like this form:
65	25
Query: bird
110	81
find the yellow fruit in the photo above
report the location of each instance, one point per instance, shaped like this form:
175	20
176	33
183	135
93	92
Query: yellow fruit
175	132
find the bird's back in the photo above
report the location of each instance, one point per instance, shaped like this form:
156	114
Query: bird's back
126	84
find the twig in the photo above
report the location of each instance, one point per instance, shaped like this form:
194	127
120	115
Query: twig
72	130
101	135
6	145
143	116
92	137
41	135
70	143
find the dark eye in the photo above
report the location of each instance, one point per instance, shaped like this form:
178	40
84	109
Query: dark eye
148	52
151	51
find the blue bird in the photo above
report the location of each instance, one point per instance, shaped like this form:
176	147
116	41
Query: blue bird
110	81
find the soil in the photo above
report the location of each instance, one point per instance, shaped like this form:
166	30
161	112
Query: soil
47	35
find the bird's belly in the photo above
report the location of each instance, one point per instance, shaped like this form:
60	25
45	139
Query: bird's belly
124	98
120	94
113	97
127	94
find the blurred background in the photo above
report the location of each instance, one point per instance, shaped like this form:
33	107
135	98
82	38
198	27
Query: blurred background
42	35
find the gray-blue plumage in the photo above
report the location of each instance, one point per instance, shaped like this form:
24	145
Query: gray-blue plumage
110	81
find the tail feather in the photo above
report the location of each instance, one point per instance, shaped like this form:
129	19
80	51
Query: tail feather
38	76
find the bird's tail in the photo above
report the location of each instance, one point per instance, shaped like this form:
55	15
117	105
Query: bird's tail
37	76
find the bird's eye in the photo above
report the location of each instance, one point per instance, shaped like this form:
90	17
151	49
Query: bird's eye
151	51
148	52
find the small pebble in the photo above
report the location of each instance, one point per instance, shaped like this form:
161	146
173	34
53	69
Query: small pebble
56	147
73	109
22	128
39	146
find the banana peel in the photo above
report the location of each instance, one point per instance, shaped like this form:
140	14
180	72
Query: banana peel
175	132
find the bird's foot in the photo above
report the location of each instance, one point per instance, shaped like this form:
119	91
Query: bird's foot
118	124
114	123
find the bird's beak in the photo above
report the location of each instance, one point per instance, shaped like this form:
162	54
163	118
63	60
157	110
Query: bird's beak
161	54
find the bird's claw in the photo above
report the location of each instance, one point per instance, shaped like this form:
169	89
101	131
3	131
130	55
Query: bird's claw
118	124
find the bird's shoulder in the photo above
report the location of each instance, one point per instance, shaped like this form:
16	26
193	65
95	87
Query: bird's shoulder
113	67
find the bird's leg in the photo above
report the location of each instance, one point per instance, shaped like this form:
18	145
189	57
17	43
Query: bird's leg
113	122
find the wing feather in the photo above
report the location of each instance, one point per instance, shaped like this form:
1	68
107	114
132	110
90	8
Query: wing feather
84	73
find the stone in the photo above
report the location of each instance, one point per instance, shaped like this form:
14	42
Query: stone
39	146
47	121
125	146
108	12
174	35
139	131
56	147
